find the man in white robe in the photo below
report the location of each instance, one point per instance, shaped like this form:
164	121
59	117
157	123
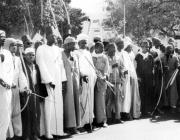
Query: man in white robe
19	85
6	80
123	57
51	66
88	80
135	97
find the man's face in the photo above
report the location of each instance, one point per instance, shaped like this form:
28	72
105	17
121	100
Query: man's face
98	49
144	47
2	40
37	44
70	46
129	49
51	39
27	44
169	50
111	51
82	44
13	47
30	57
120	45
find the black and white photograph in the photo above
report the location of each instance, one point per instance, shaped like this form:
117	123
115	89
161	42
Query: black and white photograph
89	69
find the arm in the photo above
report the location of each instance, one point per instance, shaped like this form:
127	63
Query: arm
9	70
22	80
63	71
107	67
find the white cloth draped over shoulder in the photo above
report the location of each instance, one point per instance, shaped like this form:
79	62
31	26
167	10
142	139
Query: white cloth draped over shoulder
20	81
49	60
86	68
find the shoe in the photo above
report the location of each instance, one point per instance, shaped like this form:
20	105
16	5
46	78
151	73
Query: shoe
17	138
117	121
105	125
72	131
173	110
35	138
64	136
88	128
47	137
159	111
81	130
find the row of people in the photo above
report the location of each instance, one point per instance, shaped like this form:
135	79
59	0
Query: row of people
49	89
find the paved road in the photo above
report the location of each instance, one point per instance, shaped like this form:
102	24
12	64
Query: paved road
166	127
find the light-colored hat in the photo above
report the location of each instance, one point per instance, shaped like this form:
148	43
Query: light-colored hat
18	41
118	39
29	50
81	37
98	38
2	33
69	40
37	37
127	41
9	41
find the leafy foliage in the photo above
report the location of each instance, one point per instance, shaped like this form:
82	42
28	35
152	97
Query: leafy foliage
76	17
144	15
38	14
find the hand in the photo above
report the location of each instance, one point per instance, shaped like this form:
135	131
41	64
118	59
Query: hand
28	91
115	65
52	85
71	59
64	87
5	85
166	68
2	57
107	78
2	41
85	79
126	72
13	85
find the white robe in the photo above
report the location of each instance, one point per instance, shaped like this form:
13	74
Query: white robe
51	67
86	67
126	105
136	101
6	74
20	81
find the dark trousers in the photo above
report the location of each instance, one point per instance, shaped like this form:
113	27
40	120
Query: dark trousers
146	93
30	117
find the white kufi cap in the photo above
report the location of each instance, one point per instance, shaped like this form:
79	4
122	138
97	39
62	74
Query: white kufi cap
81	37
29	50
69	40
2	33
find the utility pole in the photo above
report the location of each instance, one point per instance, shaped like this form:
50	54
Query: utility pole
124	5
68	17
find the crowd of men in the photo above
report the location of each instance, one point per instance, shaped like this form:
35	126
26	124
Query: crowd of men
51	88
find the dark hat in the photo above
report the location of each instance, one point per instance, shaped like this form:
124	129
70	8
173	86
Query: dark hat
26	39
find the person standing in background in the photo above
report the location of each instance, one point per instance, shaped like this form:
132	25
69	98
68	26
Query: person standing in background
145	67
101	64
